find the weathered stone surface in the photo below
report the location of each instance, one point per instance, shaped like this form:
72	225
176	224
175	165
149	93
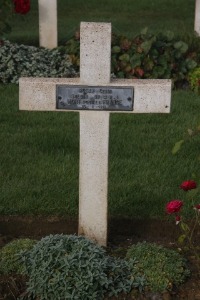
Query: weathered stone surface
197	17
48	23
93	175
95	53
150	95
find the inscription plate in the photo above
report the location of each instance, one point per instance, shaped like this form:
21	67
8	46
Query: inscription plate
94	98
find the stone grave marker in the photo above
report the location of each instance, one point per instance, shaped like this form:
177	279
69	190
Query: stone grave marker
48	23
197	17
94	96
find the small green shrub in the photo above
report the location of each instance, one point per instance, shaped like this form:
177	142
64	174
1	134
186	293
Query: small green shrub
147	55
151	56
194	80
10	259
71	267
162	267
23	61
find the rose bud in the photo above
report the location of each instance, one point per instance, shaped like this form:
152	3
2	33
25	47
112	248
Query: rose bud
197	207
178	219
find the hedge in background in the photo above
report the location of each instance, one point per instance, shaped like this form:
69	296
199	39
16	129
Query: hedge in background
23	61
161	56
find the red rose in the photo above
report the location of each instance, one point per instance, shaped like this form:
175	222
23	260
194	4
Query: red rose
21	6
174	206
188	185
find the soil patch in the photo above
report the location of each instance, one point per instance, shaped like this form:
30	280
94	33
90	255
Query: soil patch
121	234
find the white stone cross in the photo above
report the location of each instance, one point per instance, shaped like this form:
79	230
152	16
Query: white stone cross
197	17
48	23
91	92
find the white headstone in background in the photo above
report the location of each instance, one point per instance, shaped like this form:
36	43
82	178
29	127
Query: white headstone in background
197	17
95	97
48	23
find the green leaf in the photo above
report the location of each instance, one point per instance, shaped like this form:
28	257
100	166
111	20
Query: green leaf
144	30
116	49
190	64
135	63
192	193
162	61
177	146
120	75
146	46
159	70
185	227
177	54
181	46
124	57
167	75
169	35
154	52
136	60
190	132
181	238
198	127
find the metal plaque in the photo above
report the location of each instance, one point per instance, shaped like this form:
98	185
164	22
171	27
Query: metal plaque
94	98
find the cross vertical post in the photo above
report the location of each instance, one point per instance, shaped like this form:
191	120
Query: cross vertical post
95	52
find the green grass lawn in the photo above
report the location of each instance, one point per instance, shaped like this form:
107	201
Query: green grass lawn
128	17
39	158
39	153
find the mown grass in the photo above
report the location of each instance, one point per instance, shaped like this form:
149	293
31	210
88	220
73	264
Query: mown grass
39	158
39	153
128	17
144	174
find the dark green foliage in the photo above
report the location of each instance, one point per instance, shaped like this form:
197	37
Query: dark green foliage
146	56
70	267
152	56
5	16
163	268
23	61
10	260
194	80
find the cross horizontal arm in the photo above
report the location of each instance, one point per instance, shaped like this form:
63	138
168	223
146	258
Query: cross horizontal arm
150	96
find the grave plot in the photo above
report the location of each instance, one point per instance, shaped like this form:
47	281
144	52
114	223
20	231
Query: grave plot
95	96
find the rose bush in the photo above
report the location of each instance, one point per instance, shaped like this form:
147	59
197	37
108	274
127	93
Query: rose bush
188	227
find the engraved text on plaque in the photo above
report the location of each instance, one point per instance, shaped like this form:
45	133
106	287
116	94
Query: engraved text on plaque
94	98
